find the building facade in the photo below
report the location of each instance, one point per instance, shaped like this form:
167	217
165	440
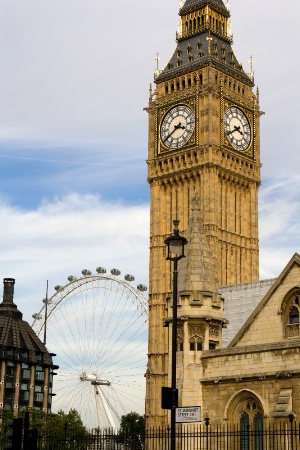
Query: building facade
27	368
204	169
255	380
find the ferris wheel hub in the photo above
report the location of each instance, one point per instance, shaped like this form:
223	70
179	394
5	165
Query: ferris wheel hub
94	379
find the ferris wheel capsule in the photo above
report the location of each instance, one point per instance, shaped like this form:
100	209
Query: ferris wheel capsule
115	272
58	287
86	272
101	270
36	316
72	278
142	287
129	277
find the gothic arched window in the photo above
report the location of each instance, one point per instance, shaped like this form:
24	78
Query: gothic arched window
251	427
294	315
196	343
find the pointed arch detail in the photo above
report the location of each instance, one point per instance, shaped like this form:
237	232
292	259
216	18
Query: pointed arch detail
235	402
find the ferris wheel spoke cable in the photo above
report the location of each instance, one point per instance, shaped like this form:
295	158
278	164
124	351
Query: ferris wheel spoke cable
61	333
123	352
105	330
119	339
66	350
120	402
127	357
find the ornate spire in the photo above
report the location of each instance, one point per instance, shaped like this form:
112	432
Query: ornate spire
204	23
197	272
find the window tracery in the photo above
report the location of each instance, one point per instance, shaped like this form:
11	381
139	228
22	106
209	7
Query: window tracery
196	343
291	314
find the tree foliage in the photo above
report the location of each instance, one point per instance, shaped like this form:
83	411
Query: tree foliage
132	431
60	426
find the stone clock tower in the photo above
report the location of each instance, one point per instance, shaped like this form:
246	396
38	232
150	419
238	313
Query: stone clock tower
204	143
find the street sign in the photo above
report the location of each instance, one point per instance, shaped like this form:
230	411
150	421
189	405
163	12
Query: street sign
188	414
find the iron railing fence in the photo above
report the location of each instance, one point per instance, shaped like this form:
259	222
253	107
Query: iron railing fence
279	436
274	436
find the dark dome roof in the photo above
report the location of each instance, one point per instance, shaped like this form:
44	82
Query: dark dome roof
17	338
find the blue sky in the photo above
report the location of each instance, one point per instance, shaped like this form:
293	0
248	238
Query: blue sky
74	80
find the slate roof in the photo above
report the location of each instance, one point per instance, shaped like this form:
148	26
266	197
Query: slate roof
243	302
279	280
240	300
191	5
192	51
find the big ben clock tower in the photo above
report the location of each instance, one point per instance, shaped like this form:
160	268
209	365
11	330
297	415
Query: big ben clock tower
203	139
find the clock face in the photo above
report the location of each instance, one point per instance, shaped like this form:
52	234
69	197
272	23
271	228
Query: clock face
177	126
237	128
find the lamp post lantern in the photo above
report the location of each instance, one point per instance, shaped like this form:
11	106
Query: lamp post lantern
175	245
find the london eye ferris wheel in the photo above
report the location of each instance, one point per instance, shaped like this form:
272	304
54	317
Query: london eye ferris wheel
96	325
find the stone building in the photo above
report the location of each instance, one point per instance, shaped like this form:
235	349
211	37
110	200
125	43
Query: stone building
237	337
257	376
27	368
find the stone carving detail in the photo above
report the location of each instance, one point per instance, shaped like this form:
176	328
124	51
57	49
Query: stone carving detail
214	331
196	330
180	332
284	374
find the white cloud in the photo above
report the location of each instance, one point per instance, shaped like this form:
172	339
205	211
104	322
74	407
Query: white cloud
62	237
74	232
279	214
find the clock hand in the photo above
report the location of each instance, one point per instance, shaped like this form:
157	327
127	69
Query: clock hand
176	127
235	128
239	130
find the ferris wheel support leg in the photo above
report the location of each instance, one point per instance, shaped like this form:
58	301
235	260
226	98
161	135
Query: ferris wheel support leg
105	406
98	408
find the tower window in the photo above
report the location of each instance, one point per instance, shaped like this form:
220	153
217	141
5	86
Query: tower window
196	344
25	354
26	374
38	397
24	396
180	346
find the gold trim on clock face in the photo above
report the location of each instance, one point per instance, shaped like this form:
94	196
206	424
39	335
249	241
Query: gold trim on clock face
177	126
237	128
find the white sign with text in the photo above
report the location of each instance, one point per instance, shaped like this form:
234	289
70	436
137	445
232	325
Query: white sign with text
188	414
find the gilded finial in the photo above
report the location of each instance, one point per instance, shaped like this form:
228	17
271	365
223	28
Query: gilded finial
156	71
251	62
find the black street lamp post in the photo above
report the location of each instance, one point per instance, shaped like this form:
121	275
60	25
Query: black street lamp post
175	245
